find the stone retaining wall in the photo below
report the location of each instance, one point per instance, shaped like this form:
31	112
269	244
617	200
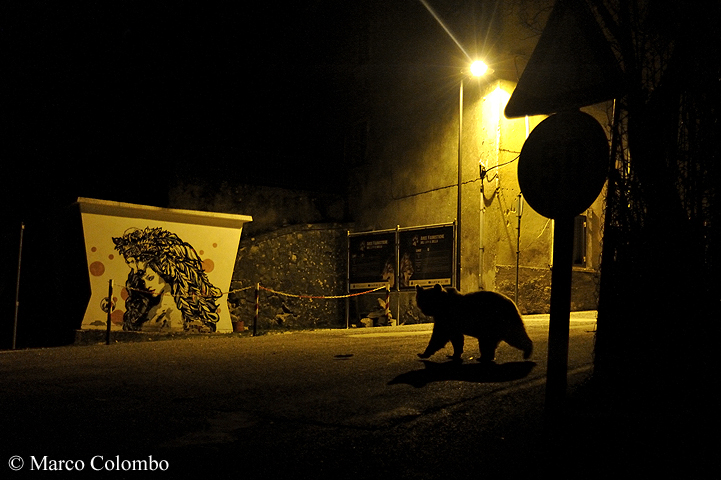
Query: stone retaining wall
298	260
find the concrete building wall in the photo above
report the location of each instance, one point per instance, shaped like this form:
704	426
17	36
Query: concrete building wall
409	174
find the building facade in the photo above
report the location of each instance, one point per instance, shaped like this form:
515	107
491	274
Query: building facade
422	108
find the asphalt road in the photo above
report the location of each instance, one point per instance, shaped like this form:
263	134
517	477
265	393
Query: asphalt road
342	404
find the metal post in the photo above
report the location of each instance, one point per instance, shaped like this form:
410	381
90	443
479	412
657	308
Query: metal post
460	183
110	311
347	312
481	226
17	286
347	279
558	329
257	308
518	242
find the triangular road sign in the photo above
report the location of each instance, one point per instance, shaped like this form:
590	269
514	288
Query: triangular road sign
572	65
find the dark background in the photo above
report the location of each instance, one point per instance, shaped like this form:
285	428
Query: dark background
114	99
119	100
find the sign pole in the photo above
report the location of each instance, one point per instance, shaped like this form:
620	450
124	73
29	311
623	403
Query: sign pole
558	328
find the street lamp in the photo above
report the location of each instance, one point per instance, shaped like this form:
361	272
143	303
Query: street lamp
477	69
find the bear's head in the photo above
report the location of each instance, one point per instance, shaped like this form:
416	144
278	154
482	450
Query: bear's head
432	301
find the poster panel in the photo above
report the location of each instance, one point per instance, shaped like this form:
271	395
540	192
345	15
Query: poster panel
371	260
426	256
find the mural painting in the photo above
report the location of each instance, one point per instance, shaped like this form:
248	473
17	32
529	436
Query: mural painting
168	289
170	269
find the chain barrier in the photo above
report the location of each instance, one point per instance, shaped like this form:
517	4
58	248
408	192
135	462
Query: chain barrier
238	290
259	287
313	297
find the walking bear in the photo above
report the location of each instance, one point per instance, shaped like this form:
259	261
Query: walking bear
488	316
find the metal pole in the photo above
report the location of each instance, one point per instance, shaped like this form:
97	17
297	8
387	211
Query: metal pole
17	286
257	308
110	311
347	312
518	242
460	182
397	279
558	329
481	226
347	279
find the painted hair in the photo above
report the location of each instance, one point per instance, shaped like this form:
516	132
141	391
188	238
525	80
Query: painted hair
179	265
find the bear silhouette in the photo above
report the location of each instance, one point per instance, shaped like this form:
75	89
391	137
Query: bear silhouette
488	316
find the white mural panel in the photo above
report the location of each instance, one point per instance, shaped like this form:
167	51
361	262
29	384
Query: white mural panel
170	269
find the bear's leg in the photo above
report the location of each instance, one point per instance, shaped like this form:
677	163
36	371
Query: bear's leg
438	340
457	342
488	350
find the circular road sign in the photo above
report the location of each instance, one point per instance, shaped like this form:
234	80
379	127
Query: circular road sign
563	164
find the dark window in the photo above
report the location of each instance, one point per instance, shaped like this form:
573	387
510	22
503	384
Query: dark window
579	241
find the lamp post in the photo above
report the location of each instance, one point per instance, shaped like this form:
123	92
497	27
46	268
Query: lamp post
477	69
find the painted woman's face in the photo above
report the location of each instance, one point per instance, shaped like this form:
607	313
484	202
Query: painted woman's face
154	283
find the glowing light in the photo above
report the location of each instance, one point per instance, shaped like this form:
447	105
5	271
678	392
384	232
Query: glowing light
478	68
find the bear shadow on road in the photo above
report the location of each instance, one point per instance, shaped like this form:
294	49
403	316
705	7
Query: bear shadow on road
465	372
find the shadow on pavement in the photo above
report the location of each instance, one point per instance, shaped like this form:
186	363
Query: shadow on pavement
465	372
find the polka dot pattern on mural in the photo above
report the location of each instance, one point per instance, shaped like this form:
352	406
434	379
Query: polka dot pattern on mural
208	264
97	269
117	317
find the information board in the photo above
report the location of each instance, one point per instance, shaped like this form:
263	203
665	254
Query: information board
371	260
426	256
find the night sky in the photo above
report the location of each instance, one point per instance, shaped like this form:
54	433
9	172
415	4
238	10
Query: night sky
117	100
114	100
